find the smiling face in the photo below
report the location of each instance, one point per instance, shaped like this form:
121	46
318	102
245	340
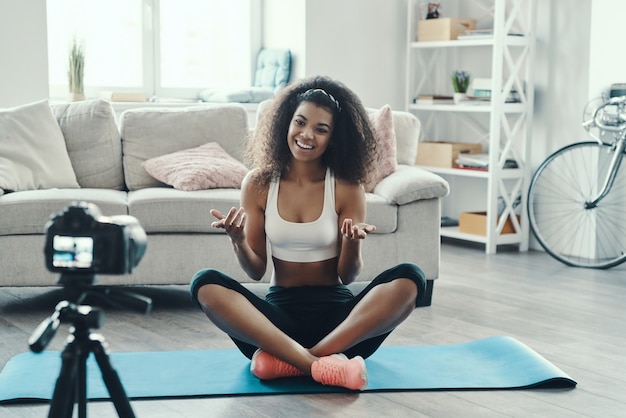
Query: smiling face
309	132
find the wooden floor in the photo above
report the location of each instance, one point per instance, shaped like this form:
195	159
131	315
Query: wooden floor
573	317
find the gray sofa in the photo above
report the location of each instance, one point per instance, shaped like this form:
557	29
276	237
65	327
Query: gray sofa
107	155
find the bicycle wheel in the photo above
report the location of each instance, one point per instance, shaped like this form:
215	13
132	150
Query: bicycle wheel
565	228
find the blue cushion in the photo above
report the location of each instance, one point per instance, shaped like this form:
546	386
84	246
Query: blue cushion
273	68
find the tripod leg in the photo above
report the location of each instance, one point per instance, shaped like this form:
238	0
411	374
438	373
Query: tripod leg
111	378
82	383
62	403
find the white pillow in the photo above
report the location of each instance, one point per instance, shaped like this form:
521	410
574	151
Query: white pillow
93	142
33	154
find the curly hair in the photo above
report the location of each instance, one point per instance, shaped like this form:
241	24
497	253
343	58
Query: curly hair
353	147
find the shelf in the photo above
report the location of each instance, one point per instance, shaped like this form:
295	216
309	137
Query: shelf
473	108
509	40
508	173
453	232
504	129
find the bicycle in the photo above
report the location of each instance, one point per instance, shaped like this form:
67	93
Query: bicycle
577	197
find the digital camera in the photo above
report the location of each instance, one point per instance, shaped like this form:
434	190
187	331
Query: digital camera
81	240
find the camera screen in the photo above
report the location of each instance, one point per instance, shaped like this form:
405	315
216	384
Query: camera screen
72	252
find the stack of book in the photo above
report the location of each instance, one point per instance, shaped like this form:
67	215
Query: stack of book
433	98
481	89
481	34
479	162
476	34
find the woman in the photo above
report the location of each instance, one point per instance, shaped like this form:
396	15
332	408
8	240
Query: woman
310	155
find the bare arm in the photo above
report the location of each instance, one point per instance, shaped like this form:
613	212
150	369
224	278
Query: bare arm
353	230
246	229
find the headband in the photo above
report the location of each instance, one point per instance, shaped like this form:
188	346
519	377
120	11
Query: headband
330	96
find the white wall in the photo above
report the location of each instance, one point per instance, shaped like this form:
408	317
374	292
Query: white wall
607	61
284	26
579	57
360	42
561	75
23	52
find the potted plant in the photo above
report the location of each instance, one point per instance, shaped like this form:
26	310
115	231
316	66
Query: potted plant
76	71
460	83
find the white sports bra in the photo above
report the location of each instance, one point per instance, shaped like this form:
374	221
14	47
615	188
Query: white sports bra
303	242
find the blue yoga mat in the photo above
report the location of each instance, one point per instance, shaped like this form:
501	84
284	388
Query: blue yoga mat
491	363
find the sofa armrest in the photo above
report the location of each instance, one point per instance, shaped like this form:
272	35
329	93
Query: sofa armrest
410	183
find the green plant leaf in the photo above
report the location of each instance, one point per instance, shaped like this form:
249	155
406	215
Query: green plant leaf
460	81
76	68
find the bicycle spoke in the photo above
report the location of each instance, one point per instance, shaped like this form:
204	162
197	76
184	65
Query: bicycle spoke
561	222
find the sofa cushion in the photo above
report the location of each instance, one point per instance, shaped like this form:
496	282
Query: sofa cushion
28	212
166	210
410	183
273	68
382	123
93	142
32	150
205	167
408	128
151	132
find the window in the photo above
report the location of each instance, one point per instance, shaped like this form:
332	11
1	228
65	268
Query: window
164	48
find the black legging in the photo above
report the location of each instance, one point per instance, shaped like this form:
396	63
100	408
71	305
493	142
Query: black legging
309	313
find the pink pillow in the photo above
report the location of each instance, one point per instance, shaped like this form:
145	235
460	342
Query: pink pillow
205	167
386	161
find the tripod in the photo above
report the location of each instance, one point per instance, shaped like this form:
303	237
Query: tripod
71	384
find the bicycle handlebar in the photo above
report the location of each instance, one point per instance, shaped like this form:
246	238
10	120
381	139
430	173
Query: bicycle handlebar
613	123
616	100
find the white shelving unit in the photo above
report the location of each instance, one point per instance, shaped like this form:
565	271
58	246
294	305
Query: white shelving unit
503	129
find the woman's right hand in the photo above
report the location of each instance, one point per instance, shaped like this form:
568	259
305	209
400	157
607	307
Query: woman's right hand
233	223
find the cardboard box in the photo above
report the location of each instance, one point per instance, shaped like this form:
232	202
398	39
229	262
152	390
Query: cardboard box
476	223
443	154
443	29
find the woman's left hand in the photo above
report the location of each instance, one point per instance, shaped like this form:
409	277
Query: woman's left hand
355	231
